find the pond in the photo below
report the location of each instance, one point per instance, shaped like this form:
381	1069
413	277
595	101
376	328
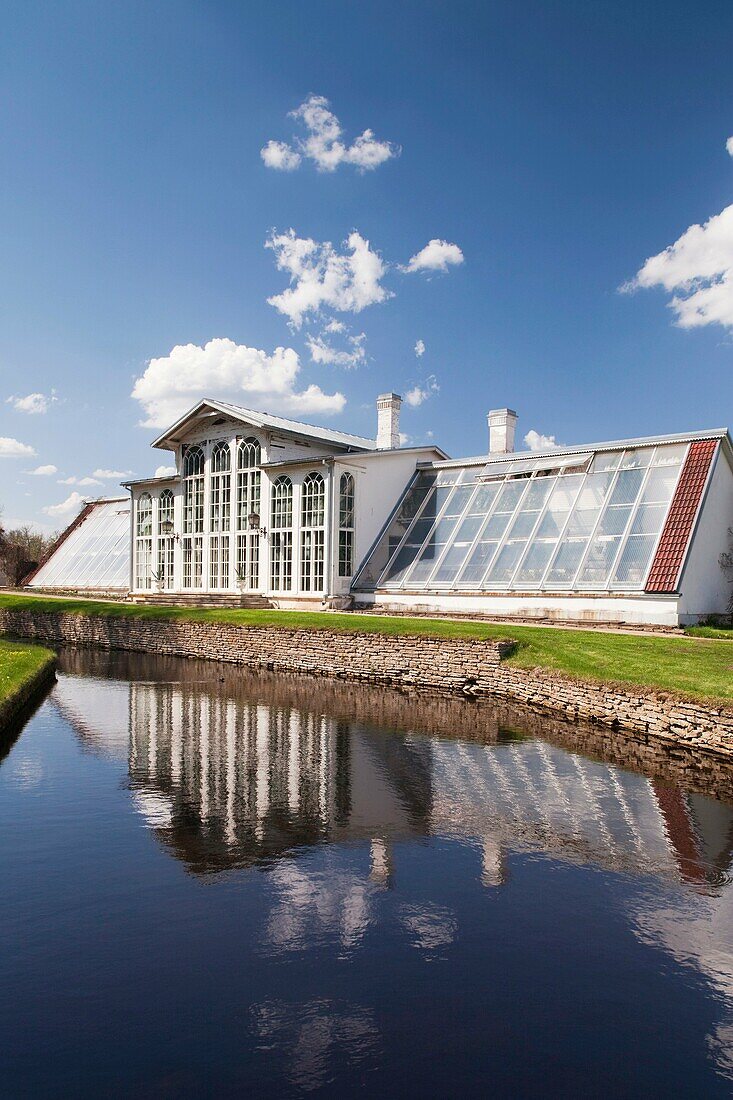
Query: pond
217	883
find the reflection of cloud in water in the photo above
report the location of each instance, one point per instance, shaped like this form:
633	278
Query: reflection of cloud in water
430	926
332	902
313	1036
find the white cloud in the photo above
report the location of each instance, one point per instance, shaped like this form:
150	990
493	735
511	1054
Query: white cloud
537	442
405	439
435	256
335	326
323	145
32	403
420	393
420	348
321	352
67	507
229	371
13	448
44	471
698	270
320	276
278	155
112	475
164	471
79	481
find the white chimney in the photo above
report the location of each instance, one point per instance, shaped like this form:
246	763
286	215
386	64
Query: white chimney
502	423
388	421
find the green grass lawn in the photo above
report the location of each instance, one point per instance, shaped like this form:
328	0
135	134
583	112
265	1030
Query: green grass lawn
19	663
700	668
725	633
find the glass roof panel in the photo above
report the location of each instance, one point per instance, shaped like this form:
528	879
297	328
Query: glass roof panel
95	555
534	526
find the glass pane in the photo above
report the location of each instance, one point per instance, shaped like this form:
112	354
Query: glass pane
392	536
614	520
485	497
608	461
459	500
648	519
469	529
634	561
450	564
497	525
505	564
671	455
523	524
633	459
400	564
661	483
627	486
510	495
533	567
566	563
599	561
475	568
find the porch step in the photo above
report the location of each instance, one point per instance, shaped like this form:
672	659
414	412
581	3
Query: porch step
206	599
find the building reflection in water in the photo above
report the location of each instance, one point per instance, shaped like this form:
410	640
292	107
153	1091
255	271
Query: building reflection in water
255	771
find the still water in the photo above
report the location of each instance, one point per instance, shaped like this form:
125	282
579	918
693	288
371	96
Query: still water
219	884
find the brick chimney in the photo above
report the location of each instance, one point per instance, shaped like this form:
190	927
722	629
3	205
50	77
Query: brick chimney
502	423
388	421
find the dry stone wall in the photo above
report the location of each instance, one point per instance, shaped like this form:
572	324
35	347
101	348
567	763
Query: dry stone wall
438	666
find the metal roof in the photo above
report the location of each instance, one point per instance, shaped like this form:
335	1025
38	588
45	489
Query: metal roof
268	420
576	449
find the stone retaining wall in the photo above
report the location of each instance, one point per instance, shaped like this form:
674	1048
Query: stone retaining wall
444	666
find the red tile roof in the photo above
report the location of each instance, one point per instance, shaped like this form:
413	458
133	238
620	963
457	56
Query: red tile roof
678	526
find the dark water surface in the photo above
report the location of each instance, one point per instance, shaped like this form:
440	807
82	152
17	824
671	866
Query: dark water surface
218	884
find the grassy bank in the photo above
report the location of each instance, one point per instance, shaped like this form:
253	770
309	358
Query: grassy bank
21	666
700	668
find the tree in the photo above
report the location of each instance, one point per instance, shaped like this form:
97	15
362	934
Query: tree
21	550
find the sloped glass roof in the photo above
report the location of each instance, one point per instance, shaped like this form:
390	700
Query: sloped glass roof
533	524
96	554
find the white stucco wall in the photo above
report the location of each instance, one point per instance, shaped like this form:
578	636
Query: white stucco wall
639	610
380	479
704	587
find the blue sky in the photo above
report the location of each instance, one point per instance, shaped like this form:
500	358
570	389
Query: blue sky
555	146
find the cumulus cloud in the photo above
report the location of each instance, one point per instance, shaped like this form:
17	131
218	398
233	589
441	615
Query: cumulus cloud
697	270
13	448
32	403
112	475
43	471
405	440
435	256
321	277
322	352
335	326
79	481
420	348
164	471
67	508
538	442
279	155
323	144
235	372
420	393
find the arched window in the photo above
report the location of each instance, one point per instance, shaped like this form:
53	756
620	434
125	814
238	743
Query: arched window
143	541
166	540
346	525
193	517
312	525
248	503
219	511
281	535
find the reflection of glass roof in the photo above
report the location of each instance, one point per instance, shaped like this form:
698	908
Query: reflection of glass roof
96	554
529	525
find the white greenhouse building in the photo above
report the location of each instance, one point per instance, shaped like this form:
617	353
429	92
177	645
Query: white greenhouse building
262	509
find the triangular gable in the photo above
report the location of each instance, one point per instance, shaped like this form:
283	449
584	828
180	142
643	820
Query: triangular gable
208	411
